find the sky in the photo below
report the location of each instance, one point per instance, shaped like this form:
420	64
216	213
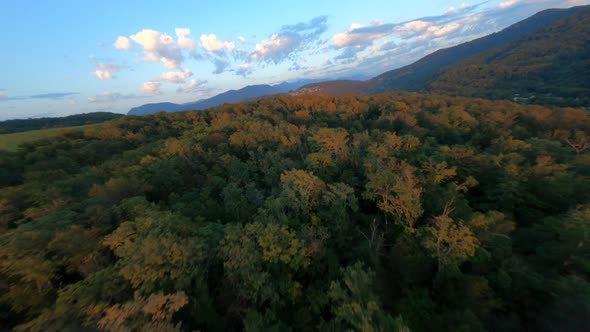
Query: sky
67	57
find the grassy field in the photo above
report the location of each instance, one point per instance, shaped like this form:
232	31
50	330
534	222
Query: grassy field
10	142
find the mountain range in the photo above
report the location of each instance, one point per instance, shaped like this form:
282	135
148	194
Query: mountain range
231	96
543	59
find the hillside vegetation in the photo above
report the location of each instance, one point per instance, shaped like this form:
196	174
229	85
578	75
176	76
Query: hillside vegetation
11	142
303	213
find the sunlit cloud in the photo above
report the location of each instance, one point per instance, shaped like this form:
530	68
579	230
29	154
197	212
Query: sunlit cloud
159	47
105	71
103	75
211	43
185	42
192	86
508	4
291	39
242	40
276	48
122	43
152	87
356	36
176	76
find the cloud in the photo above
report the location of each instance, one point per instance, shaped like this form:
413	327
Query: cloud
290	39
184	42
103	75
413	28
105	71
122	43
211	43
276	48
159	47
508	4
51	96
192	86
152	87
242	40
54	95
388	46
220	65
244	70
108	97
439	31
358	35
377	38
176	76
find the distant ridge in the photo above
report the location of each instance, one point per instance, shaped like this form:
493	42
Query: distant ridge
441	71
231	96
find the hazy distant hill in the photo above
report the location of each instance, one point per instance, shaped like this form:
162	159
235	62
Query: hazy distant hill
15	126
470	68
231	96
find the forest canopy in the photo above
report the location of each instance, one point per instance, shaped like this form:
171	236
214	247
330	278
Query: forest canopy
391	212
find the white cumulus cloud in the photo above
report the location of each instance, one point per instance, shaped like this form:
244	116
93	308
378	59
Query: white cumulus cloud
185	42
159	47
359	35
192	86
211	43
105	71
242	40
508	4
103	75
176	76
152	87
276	48
439	31
122	43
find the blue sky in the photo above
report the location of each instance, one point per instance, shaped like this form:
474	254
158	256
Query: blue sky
66	57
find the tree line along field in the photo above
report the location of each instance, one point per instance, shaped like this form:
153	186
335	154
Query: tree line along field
392	212
11	142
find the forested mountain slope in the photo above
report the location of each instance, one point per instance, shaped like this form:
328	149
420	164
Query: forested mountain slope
549	66
545	57
304	213
416	76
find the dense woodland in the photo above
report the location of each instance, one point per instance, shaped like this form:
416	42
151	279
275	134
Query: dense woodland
400	212
20	125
